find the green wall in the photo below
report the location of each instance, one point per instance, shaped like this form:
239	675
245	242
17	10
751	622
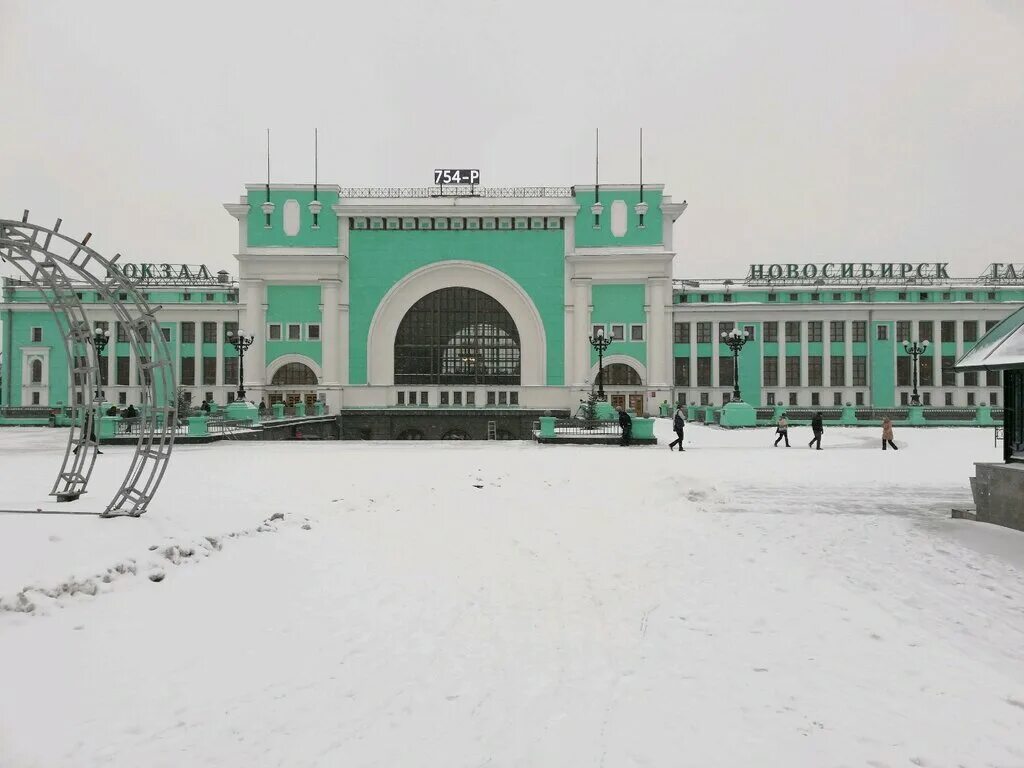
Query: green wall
293	304
259	236
533	258
588	236
21	336
882	364
620	303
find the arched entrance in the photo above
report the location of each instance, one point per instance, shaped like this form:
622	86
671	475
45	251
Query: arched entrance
293	382
459	336
623	384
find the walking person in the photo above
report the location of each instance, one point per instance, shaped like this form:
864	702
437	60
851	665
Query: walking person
887	433
627	426
782	430
817	427
678	424
91	438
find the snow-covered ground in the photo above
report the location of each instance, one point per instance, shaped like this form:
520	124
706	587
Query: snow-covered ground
504	604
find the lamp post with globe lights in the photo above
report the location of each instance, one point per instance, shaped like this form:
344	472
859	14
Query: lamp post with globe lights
241	342
100	339
735	339
915	349
601	343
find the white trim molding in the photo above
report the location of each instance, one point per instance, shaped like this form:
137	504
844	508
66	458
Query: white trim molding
629	360
464	274
280	362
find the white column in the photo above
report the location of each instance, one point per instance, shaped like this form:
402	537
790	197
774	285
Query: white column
826	356
253	296
581	316
848	351
219	378
658	322
329	331
803	356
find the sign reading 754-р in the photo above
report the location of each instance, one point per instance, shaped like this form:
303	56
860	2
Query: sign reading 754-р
452	176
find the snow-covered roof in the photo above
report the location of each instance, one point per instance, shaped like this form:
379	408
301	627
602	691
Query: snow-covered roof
1000	348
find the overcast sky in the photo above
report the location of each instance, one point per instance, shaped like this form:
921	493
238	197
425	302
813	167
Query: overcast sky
875	130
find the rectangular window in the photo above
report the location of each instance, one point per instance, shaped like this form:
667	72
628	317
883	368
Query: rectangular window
703	333
792	398
412	398
704	297
815	296
681	333
970	330
231	370
725	327
37	335
837	297
773	297
618	332
858	398
597	330
771	331
186	296
922	297
992	297
725	371
949	398
814	330
123	366
970	398
35	398
904	398
860	330
792	330
146	334
703	371
682	377
883	333
503	398
793	371
456	398
794	297
990	324
970	378
858	297
444	398
926	398
771	371
926	370
295	332
837	398
837	330
513	398
423	399
926	331
902	296
815	398
274	333
992	378
636	333
946	295
903	371
166	333
903	330
313	332
727	297
860	371
814	371
704	400
209	297
209	333
230	329
188	371
969	295
770	399
122	398
726	397
948	374
188	333
837	371
490	398
471	398
209	370
993	398
948	330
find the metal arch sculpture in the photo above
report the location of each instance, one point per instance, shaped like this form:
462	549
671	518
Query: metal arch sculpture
49	261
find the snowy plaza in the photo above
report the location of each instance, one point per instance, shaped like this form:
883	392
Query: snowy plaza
508	604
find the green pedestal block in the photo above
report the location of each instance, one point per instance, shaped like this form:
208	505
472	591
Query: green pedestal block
709	414
108	427
318	408
197	426
547	426
300	408
691	413
242	411
849	416
915	417
643	428
985	416
278	410
665	410
214	408
603	411
778	410
738	414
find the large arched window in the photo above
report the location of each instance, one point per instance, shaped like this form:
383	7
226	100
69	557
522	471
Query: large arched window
621	375
457	336
37	371
294	375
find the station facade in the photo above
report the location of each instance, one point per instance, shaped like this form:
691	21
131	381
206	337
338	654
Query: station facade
425	299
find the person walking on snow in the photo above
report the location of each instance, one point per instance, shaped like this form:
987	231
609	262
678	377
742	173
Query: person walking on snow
817	427
887	433
678	424
782	430
627	426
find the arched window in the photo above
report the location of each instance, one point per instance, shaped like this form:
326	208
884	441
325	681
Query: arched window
37	371
294	375
457	336
455	434
621	375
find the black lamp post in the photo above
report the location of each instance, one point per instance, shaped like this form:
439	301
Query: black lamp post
100	339
600	343
241	343
735	339
915	349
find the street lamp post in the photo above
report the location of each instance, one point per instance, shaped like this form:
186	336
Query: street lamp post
241	342
100	338
735	339
915	349
600	343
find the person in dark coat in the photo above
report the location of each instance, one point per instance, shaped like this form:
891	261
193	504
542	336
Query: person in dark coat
627	426
678	424
817	427
205	407
129	412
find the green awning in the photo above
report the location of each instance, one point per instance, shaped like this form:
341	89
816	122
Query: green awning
1000	349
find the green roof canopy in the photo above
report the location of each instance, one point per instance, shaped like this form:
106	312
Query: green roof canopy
999	349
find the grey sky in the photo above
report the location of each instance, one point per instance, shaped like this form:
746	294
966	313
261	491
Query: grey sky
798	131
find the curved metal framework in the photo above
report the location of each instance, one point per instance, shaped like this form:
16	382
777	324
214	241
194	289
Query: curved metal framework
50	261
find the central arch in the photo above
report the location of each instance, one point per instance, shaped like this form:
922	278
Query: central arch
463	274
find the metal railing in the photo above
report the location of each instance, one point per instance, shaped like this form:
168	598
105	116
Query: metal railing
583	427
454	191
